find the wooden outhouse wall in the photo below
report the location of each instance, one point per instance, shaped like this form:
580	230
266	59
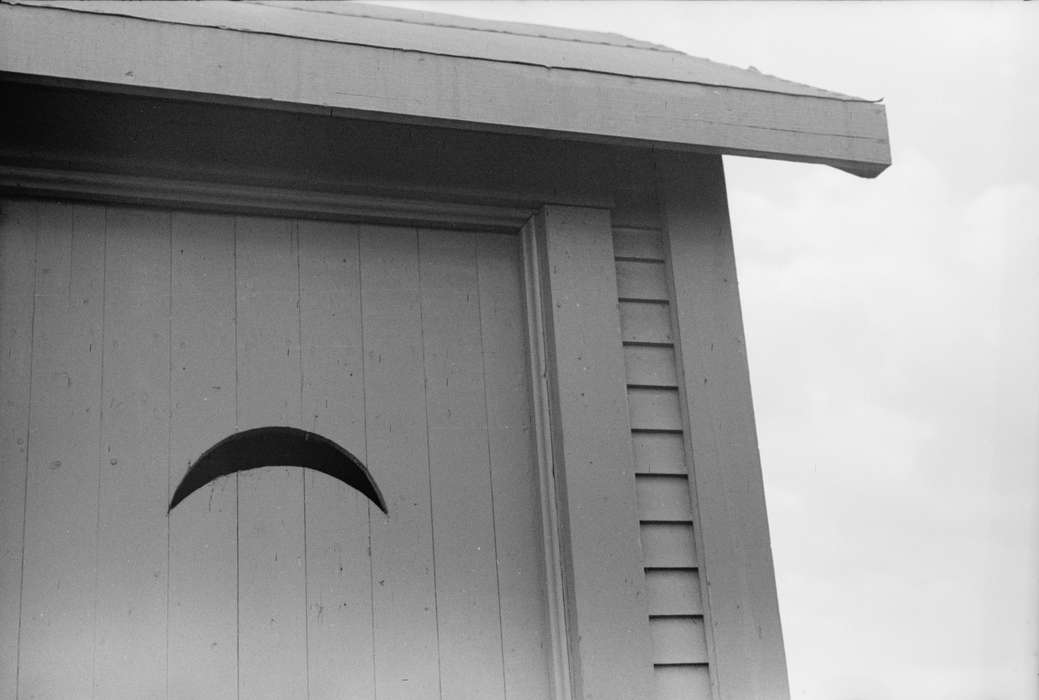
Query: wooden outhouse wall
181	273
134	339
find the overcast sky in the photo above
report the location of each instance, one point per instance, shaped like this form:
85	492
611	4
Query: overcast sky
893	328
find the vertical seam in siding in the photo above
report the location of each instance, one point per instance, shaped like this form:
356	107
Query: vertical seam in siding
302	472
169	438
237	539
100	434
28	435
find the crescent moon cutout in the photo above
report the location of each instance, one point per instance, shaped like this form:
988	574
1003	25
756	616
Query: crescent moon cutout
277	446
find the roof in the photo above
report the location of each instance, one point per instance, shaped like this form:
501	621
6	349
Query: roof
391	63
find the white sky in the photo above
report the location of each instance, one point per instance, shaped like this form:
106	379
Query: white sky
893	328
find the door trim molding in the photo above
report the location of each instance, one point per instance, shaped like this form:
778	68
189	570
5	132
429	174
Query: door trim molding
224	197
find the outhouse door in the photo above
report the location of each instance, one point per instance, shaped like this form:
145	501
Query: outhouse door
135	339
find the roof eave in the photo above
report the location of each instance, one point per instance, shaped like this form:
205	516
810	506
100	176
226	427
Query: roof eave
131	54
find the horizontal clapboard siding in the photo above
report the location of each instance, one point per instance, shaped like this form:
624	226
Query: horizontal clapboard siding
666	520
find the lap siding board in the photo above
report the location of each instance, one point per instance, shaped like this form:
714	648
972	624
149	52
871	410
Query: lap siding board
662	484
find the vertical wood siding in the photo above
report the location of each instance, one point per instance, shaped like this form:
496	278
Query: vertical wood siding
666	519
135	339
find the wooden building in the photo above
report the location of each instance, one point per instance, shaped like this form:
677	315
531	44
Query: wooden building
491	260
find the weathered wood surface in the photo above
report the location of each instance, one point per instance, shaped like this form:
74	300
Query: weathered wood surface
593	460
340	662
18	224
254	66
272	619
268	583
748	658
203	595
59	580
683	682
133	487
519	541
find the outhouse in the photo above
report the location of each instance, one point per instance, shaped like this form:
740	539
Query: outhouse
490	263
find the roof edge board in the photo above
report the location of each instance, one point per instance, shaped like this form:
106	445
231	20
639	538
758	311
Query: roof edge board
480	95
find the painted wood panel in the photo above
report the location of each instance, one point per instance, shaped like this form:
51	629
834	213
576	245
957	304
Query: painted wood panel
678	640
340	663
650	366
645	322
658	452
203	594
683	682
514	470
18	225
593	453
673	592
654	409
663	497
638	244
181	328
61	519
749	659
133	488
646	281
468	623
404	598
668	545
272	613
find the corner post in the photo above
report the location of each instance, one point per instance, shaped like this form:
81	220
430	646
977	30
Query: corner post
601	553
748	658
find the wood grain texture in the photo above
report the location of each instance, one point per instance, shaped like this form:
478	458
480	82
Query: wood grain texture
203	594
593	454
133	491
339	573
404	598
468	621
514	470
18	224
59	580
643	322
747	656
272	610
445	89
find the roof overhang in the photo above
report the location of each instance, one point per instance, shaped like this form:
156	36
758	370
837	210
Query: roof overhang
369	63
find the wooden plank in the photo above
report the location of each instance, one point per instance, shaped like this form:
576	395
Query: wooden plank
643	281
748	657
271	549
654	409
57	622
471	654
339	571
405	633
650	366
663	497
447	89
526	636
133	491
18	224
668	545
674	592
683	682
643	322
203	611
659	453
593	459
678	640
638	244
